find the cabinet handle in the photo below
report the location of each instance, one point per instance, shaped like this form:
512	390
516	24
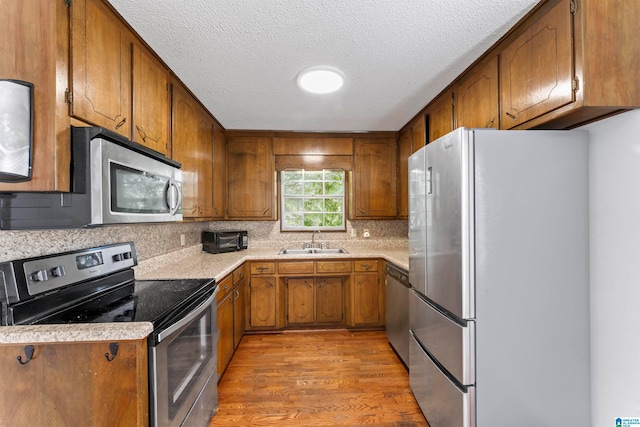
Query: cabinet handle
142	133
225	287
261	269
366	266
512	116
119	125
237	294
113	351
28	352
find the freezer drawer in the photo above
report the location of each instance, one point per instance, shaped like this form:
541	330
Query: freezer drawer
449	342
442	403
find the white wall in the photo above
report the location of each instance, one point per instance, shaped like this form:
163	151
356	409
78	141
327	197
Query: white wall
615	267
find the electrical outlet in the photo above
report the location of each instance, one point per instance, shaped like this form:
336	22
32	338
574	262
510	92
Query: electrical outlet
183	240
365	233
353	232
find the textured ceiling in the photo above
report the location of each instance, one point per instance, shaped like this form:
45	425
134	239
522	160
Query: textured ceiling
241	57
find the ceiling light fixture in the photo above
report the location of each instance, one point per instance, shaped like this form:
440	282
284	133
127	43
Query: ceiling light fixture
320	79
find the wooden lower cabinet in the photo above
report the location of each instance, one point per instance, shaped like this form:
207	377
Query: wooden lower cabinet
329	300
298	294
262	301
231	311
73	384
314	301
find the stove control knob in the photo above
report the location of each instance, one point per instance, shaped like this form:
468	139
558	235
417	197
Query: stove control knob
39	276
118	257
58	271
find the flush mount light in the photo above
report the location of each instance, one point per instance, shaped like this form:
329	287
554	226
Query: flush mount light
320	79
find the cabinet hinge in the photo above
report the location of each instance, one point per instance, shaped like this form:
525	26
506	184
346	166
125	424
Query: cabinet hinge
67	3
572	7
575	84
68	96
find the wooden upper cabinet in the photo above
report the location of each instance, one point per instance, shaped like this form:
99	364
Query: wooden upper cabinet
536	68
404	151
35	48
440	116
476	96
150	101
418	134
219	173
250	191
374	188
193	148
100	66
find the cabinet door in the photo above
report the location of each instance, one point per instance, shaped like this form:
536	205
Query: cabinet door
225	330
150	101
329	300
418	134
404	151
536	68
238	313
440	116
374	176
366	299
250	189
100	66
192	147
75	385
262	300
26	404
219	173
477	97
300	301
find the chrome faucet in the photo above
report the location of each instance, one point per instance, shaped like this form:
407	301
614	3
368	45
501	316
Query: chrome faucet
313	238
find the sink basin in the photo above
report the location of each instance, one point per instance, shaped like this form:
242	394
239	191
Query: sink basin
316	251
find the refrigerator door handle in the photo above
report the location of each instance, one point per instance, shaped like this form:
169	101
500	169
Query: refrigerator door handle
429	184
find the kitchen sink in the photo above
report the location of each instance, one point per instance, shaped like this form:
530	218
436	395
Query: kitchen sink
311	251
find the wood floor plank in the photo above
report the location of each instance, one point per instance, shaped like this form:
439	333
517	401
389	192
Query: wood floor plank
316	378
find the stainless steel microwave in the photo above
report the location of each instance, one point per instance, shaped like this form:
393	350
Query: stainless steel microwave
114	181
224	241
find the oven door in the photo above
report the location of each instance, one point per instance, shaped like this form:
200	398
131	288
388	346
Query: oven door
182	363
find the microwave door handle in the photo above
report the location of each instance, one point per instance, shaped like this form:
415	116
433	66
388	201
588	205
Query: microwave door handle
170	198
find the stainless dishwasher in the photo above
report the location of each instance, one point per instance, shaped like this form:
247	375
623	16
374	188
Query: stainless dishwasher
397	310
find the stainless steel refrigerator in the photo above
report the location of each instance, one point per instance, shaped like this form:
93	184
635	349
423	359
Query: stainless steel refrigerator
499	266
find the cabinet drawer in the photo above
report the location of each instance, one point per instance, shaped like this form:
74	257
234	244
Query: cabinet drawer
365	265
225	286
295	267
238	274
333	266
263	267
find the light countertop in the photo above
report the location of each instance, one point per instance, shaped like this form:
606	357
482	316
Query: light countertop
189	263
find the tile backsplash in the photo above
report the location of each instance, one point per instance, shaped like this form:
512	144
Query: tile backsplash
152	240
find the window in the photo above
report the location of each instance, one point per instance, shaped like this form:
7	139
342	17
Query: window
312	199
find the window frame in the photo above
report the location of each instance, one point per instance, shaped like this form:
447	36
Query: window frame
305	228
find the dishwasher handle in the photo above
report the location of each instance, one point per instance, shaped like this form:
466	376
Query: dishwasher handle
399	276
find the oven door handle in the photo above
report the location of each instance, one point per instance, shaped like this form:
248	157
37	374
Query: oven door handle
188	318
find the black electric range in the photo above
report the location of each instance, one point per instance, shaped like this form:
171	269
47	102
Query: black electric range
92	285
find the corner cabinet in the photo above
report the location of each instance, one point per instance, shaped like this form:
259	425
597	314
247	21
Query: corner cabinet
251	170
193	148
73	384
374	188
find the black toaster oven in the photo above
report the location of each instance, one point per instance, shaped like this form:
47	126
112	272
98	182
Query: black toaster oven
216	242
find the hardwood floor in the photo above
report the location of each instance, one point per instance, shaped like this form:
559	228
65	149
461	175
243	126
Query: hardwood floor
316	378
